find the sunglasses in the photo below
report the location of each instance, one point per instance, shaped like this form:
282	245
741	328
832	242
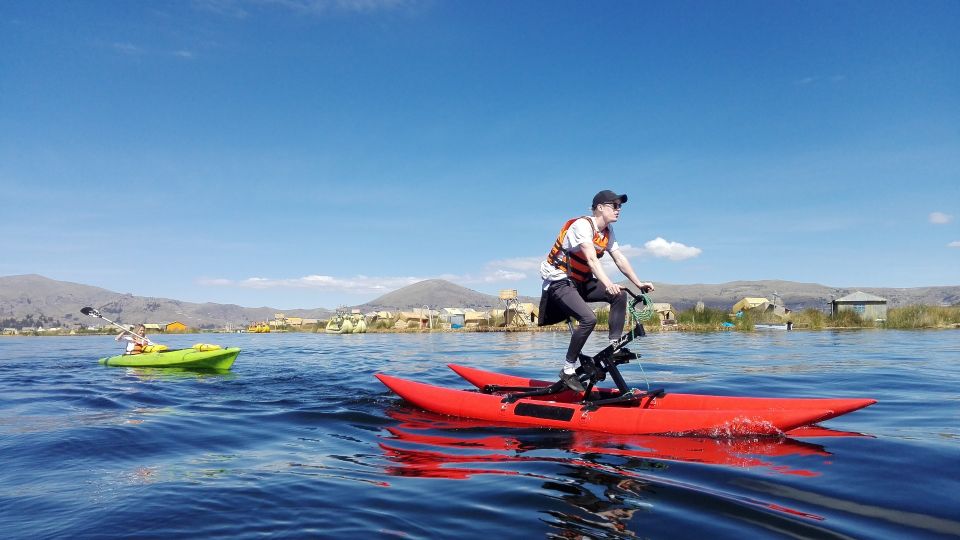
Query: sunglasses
614	205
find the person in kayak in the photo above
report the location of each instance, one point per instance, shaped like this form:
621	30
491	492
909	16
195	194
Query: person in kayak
136	340
572	276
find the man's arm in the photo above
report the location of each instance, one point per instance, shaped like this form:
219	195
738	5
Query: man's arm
624	265
588	253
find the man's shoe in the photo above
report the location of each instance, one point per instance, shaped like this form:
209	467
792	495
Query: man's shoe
572	381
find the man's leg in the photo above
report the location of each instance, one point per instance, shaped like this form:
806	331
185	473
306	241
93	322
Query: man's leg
593	291
567	298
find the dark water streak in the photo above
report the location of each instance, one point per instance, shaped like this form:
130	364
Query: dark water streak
299	440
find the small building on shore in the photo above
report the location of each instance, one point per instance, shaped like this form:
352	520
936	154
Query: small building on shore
666	312
417	318
475	319
521	315
868	306
748	303
452	316
176	326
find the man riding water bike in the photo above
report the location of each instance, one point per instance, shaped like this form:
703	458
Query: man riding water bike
572	276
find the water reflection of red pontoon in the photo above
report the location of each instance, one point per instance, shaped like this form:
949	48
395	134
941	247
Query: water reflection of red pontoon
426	444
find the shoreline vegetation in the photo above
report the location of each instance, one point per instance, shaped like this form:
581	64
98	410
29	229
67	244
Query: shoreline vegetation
904	318
914	317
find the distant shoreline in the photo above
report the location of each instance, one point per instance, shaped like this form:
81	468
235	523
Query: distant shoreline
556	328
32	301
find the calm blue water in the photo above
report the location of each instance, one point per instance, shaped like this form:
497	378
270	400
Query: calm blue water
300	440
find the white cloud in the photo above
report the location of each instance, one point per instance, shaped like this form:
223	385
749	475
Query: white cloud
497	271
664	249
939	218
657	247
505	275
488	275
358	284
954	244
493	272
187	55
215	282
518	263
632	251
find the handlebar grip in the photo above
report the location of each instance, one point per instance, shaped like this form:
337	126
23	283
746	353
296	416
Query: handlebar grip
642	298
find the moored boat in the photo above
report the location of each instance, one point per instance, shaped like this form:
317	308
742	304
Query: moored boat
783	326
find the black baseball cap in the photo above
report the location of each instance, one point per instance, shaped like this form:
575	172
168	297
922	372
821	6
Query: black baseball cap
607	196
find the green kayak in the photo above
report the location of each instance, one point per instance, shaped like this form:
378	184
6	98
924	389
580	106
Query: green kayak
181	358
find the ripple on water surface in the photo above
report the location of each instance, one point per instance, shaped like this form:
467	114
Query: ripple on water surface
299	439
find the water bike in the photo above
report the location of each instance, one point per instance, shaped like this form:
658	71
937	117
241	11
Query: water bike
499	397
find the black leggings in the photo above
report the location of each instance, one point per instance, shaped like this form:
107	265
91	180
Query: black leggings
572	297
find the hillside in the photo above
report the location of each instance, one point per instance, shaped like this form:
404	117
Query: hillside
435	293
795	295
57	303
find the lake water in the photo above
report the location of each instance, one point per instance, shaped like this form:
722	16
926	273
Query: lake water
300	440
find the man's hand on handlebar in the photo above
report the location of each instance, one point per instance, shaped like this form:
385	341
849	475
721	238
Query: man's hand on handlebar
613	289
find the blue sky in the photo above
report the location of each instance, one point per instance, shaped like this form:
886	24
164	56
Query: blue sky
308	153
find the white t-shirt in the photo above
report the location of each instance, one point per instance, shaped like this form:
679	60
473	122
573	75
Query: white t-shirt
131	342
579	233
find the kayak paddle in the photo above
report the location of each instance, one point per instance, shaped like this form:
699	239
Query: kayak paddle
94	313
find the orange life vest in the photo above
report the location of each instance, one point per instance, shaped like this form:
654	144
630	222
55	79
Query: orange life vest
573	262
137	347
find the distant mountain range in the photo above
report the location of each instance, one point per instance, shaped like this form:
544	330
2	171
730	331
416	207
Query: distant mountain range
796	296
43	300
56	303
435	293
